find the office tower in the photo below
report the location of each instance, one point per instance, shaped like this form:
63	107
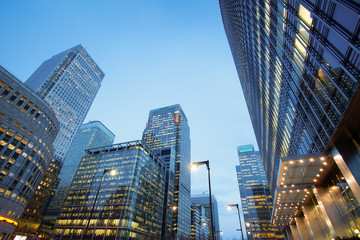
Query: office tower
203	200
91	135
297	62
167	156
256	201
168	127
68	82
125	205
28	128
199	223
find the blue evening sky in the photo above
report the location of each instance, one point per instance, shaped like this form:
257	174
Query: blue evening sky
154	53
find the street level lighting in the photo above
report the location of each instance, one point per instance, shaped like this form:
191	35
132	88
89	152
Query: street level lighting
193	166
229	206
112	173
248	224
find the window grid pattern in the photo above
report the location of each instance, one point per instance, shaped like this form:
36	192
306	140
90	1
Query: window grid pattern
130	203
168	127
28	128
298	64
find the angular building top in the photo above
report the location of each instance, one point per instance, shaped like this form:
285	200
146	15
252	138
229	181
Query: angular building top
168	127
69	82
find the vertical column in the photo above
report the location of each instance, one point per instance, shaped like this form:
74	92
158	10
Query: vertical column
346	172
289	233
325	212
304	228
336	221
295	232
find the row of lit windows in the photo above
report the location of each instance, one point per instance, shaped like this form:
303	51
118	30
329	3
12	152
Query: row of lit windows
27	106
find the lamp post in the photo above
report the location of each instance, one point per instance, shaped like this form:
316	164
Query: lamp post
195	165
112	172
229	206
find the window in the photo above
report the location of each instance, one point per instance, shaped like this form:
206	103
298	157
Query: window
6	92
13	97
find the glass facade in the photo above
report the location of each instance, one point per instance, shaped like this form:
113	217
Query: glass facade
91	135
68	82
297	62
199	223
256	200
168	127
167	155
129	203
204	201
28	128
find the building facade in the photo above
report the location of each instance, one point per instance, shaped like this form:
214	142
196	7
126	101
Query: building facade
203	200
91	135
256	201
68	82
297	62
28	128
126	205
168	127
199	223
167	156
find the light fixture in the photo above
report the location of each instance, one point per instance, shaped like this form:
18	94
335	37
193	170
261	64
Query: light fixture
194	166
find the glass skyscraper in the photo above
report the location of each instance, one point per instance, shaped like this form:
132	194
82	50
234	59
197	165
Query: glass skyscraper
203	200
168	127
256	201
167	155
91	135
298	67
129	203
298	64
68	82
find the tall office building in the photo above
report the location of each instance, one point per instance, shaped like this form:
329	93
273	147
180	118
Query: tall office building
256	200
167	156
125	205
298	64
68	82
28	128
91	135
203	200
168	127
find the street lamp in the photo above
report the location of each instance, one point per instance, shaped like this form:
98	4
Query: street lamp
193	166
229	206
112	173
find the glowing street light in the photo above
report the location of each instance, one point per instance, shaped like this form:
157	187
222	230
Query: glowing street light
194	166
229	206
